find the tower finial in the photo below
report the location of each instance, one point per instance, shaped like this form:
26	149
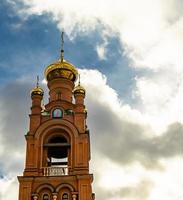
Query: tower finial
62	46
37	84
79	80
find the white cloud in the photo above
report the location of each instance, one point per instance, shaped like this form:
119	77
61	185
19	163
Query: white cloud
102	48
101	51
161	96
168	184
9	188
143	26
97	88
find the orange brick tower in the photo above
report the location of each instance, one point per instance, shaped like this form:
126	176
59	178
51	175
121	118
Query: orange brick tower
58	144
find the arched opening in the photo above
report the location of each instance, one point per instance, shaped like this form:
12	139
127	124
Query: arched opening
57	155
58	151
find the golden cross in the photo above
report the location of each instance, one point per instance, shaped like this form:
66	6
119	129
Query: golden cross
37	84
62	46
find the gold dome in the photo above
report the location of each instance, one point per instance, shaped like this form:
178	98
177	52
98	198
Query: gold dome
37	91
79	90
61	69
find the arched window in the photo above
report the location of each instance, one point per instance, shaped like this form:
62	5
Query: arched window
65	196
45	197
57	113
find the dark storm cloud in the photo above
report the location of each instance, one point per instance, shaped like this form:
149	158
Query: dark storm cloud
126	142
14	112
14	116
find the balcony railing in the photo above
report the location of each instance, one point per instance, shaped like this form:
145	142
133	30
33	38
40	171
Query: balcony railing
55	171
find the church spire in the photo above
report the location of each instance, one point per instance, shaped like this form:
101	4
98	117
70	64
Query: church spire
79	90
37	83
62	46
61	69
37	90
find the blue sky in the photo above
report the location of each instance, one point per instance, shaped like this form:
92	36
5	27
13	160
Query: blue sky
130	59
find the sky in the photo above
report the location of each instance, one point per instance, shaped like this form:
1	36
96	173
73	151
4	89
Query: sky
129	55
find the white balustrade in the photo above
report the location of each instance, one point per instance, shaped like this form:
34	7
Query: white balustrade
55	171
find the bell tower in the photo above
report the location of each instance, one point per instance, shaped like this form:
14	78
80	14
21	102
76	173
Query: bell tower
58	143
